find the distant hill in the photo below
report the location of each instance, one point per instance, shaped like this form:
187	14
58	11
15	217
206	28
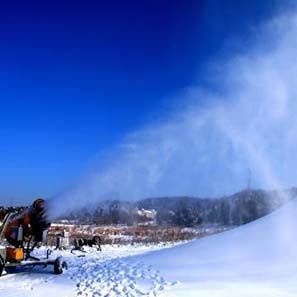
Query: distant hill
236	209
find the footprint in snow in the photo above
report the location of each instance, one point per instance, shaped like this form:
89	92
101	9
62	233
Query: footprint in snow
116	278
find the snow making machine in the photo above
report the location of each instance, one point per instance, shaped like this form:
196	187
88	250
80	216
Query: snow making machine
20	233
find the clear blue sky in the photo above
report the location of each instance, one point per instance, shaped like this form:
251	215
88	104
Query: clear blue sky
77	76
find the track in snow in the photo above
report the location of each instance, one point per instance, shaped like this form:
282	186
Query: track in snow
95	274
117	278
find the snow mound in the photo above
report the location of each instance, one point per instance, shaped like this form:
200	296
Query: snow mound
257	259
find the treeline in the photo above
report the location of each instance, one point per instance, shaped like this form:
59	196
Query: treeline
236	209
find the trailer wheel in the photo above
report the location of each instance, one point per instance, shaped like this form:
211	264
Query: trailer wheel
1	265
59	265
97	241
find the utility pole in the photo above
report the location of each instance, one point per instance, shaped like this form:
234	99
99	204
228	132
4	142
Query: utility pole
249	181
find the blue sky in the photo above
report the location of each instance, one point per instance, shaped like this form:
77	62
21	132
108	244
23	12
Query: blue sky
76	77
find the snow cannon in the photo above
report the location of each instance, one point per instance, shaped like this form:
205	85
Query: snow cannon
30	224
21	232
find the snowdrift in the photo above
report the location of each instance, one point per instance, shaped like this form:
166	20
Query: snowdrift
257	259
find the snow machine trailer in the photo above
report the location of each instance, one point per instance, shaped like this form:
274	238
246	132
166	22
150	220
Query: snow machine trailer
20	232
12	258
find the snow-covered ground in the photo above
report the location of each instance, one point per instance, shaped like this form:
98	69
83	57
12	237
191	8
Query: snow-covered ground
92	273
258	259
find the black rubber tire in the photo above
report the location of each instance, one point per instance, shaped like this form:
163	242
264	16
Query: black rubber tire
97	242
60	265
1	265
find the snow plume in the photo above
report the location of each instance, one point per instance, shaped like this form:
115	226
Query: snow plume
248	123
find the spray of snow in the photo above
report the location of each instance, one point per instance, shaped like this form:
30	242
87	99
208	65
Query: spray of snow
247	124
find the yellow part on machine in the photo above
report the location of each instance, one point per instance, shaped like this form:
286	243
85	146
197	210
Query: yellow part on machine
14	254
